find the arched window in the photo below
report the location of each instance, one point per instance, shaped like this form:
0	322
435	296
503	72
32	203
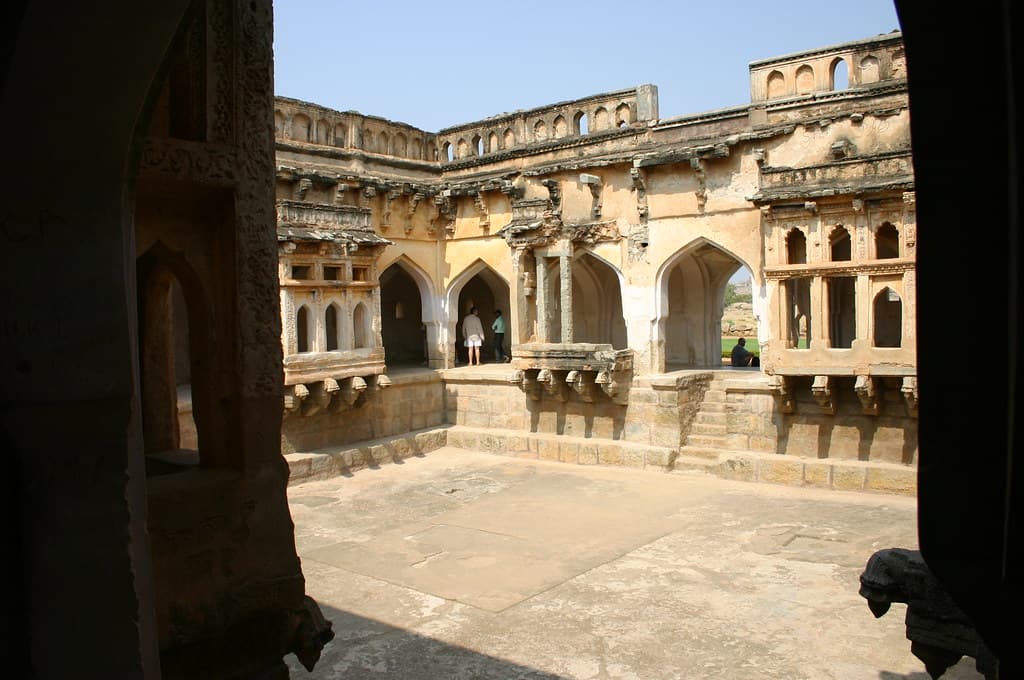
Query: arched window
417	149
840	244
339	135
301	128
796	247
509	138
302	330
804	79
478	145
561	127
888	319
461	149
331	326
447	151
623	115
492	142
869	72
361	326
887	242
540	130
839	75
323	132
368	141
579	123
400	145
776	84
600	118
382	144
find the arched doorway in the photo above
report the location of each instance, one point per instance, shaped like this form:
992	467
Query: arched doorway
401	317
692	288
483	288
596	302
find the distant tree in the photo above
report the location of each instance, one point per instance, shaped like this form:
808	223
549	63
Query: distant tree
731	296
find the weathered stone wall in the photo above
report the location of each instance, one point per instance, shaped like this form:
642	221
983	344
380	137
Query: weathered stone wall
412	402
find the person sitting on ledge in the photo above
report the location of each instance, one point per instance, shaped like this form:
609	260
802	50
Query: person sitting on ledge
740	356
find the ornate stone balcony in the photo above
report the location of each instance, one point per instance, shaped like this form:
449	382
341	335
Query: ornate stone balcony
560	369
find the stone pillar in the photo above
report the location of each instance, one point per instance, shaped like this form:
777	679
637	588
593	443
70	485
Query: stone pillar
541	295
565	273
864	310
818	323
909	309
318	341
824	339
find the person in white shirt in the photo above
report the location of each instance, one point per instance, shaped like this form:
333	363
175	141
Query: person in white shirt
473	332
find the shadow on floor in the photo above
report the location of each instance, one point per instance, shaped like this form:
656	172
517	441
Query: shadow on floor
364	648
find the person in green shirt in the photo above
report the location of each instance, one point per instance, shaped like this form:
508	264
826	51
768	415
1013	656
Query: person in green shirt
498	326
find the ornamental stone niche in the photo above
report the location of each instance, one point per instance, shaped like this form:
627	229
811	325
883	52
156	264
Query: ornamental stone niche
330	306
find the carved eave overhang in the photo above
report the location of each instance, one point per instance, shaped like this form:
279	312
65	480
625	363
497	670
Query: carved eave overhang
344	225
854	175
845	268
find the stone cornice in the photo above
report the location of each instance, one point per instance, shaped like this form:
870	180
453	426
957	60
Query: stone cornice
865	43
790	271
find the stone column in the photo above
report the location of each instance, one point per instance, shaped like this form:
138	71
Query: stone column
817	325
909	309
565	273
541	294
318	309
864	309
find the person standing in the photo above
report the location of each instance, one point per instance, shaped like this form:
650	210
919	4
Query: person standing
498	326
473	332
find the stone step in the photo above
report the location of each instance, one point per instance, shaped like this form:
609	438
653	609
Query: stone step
714	429
713	407
706	441
714	395
709	418
704	453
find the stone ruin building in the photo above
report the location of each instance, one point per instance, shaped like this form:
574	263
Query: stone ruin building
607	235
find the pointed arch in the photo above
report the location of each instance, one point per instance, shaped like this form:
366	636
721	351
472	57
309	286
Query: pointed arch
428	296
478	285
840	244
361	332
332	327
560	127
690	289
303	332
796	246
887	314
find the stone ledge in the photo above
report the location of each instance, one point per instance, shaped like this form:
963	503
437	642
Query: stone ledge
841	475
578	450
307	466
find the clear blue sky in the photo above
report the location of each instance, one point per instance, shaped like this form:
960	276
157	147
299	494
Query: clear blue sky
436	64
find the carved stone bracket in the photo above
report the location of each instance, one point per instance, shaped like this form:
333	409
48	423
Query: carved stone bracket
639	179
811	206
782	389
385	219
615	385
554	198
320	394
869	391
301	188
909	390
553	383
527	382
593	182
414	201
446	211
293	397
582	383
339	192
481	209
702	190
367	195
821	390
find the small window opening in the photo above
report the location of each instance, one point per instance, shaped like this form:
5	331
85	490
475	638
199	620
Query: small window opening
842	309
840	75
840	244
888	319
331	326
361	326
302	330
301	272
887	242
798	303
796	247
332	273
360	273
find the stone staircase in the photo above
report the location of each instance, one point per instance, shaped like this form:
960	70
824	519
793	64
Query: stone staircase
708	433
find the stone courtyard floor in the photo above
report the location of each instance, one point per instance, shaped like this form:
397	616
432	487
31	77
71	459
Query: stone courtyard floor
466	565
